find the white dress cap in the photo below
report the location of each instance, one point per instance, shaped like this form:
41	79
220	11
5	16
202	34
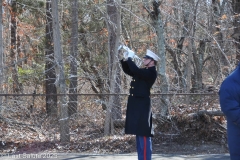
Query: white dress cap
152	55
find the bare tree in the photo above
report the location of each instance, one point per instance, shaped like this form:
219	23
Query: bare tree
13	52
72	105
216	17
181	13
236	24
50	75
60	80
1	56
159	29
113	23
192	54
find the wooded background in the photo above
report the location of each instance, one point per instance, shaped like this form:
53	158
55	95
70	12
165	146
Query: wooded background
52	53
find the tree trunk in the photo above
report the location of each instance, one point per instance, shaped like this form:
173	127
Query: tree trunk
197	83
236	25
196	76
72	105
113	23
117	108
191	47
60	81
185	32
217	12
177	63
50	75
13	47
158	25
1	57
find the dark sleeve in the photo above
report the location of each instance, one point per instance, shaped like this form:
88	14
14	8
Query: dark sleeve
146	74
126	68
229	102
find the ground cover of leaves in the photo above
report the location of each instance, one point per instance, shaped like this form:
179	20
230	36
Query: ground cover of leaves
177	135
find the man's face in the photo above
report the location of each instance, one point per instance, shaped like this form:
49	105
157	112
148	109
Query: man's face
146	61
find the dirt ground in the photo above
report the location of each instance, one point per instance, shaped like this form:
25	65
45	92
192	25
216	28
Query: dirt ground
159	147
189	148
199	135
186	135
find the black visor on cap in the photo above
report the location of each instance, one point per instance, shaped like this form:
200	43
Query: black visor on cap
147	57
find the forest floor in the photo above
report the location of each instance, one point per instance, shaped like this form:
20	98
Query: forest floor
199	135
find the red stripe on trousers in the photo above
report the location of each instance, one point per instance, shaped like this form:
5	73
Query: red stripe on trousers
145	148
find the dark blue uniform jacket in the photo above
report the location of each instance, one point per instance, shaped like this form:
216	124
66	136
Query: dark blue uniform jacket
230	104
139	114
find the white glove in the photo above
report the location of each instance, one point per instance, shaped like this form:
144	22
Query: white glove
128	52
120	47
125	48
131	54
125	55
